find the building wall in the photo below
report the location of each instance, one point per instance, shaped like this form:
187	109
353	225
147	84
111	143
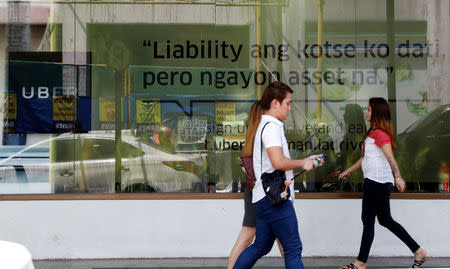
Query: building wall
75	17
205	228
208	228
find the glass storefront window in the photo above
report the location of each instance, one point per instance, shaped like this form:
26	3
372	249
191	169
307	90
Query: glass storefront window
154	96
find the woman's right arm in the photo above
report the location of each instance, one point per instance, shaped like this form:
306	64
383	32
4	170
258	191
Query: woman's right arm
344	175
280	162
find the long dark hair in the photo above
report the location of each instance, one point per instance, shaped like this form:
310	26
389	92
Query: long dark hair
275	90
253	122
381	118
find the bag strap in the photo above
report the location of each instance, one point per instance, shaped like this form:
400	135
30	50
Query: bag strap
262	143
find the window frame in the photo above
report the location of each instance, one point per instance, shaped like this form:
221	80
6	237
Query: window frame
204	196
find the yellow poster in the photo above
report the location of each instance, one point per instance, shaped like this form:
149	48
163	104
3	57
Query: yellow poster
11	106
107	108
148	111
64	108
225	112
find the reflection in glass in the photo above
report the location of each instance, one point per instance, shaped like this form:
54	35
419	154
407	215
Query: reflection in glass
154	96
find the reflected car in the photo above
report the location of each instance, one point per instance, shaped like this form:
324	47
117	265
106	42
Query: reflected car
24	170
86	163
424	150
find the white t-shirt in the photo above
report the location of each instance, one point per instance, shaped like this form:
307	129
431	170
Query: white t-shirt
374	163
273	136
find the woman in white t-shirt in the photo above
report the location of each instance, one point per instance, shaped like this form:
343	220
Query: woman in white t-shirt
248	230
274	221
380	173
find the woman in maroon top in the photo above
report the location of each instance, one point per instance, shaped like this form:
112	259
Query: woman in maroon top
380	174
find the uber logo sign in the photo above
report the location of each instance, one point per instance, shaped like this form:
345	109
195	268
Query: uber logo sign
49	95
43	92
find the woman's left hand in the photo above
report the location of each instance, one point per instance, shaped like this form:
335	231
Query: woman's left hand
400	184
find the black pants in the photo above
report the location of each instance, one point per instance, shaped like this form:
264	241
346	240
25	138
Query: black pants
376	203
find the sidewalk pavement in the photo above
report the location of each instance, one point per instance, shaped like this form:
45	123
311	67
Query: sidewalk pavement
220	263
